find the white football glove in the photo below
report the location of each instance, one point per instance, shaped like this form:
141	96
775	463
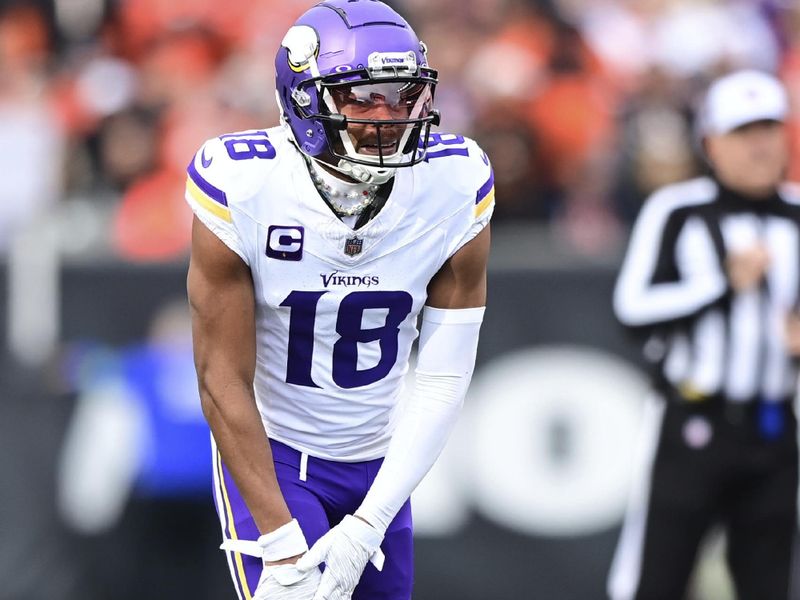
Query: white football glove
345	550
280	582
286	582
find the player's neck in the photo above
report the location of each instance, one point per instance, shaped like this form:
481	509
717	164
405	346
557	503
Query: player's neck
354	202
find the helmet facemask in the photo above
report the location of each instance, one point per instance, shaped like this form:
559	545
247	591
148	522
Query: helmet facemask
378	123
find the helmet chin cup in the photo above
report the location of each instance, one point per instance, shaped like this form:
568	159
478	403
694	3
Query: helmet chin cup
363	173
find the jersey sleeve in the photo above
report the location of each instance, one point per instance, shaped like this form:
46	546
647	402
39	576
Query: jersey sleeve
205	192
684	242
479	179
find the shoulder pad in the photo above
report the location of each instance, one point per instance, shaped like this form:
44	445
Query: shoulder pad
231	167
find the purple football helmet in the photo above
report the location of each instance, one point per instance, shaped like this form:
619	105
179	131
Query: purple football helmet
354	87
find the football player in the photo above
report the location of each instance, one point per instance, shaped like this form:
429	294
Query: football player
316	246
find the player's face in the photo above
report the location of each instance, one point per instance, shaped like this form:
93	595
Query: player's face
751	159
380	102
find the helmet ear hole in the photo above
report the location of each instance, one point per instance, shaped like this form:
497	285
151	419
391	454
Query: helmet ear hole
313	140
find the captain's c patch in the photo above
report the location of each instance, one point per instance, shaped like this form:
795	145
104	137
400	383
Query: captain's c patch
285	242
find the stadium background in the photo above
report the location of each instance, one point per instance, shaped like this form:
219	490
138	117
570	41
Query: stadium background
584	106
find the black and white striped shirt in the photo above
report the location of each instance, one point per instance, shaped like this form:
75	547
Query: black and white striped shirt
707	339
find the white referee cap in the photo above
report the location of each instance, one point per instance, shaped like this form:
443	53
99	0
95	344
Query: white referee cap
740	98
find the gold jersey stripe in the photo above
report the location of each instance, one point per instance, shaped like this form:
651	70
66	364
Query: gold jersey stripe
485	203
215	208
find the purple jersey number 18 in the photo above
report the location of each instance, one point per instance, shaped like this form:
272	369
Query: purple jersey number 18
346	374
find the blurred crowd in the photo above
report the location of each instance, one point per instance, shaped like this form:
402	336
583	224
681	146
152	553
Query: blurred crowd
585	106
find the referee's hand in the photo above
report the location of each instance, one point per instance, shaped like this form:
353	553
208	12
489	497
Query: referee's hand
793	334
746	268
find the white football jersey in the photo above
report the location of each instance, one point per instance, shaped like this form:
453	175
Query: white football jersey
336	308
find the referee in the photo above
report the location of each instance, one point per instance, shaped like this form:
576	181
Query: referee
712	276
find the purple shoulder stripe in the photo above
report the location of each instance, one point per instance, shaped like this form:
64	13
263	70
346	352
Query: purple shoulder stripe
216	194
485	188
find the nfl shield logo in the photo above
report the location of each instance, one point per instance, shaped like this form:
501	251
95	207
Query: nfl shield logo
353	245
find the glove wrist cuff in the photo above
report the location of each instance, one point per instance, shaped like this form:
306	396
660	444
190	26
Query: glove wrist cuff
286	541
373	520
370	536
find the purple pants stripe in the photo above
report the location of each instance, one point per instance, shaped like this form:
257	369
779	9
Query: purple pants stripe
331	491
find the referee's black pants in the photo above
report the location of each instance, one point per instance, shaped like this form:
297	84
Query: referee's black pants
712	465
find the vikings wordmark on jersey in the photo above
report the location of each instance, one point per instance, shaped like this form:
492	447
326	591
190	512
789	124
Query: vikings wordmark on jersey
336	308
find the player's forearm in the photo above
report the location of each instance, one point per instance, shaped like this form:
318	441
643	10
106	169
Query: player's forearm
239	433
448	344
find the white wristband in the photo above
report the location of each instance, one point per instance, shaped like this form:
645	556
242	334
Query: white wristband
286	541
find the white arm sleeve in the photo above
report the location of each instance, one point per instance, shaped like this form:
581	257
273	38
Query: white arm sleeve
447	346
